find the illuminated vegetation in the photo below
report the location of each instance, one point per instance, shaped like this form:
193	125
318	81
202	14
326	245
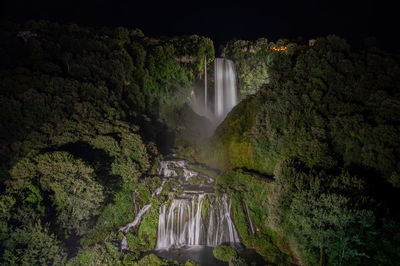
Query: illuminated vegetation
72	151
312	149
324	129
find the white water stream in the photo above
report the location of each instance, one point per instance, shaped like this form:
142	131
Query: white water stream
195	217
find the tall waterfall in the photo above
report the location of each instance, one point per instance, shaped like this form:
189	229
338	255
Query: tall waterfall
216	108
225	87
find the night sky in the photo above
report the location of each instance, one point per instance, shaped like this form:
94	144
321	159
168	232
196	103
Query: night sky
224	21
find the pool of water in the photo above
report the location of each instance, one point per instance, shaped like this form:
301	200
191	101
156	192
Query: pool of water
203	255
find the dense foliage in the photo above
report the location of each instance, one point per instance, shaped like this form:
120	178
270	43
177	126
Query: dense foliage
73	160
252	60
310	156
325	128
249	199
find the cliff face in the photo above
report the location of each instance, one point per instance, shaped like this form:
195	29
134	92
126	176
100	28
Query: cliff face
325	128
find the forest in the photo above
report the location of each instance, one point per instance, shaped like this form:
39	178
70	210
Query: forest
310	153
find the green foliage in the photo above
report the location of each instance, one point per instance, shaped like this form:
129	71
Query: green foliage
327	224
148	229
116	74
325	127
122	34
108	144
150	259
70	100
323	120
191	263
106	254
224	253
75	193
231	145
237	261
69	183
196	180
321	216
6	205
384	244
194	48
253	191
27	246
206	206
35	198
252	62
319	108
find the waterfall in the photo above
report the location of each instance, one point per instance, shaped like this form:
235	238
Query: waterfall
194	216
225	88
224	92
185	223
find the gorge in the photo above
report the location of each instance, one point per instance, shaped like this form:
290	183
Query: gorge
184	222
102	160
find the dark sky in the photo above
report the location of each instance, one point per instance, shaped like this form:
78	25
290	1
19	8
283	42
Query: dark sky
222	21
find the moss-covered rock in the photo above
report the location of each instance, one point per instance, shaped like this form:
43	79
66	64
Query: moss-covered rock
254	192
205	208
224	253
232	146
148	228
196	180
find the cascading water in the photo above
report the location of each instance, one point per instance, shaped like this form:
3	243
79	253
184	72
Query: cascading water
194	216
185	223
197	216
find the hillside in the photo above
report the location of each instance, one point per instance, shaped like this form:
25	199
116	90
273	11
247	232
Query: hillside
305	169
325	129
82	122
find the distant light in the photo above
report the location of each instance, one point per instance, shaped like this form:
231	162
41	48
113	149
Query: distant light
281	48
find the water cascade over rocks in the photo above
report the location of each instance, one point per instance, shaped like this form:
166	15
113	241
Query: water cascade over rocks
194	215
185	223
197	216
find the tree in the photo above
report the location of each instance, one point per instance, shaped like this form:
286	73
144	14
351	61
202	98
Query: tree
326	223
33	245
75	194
